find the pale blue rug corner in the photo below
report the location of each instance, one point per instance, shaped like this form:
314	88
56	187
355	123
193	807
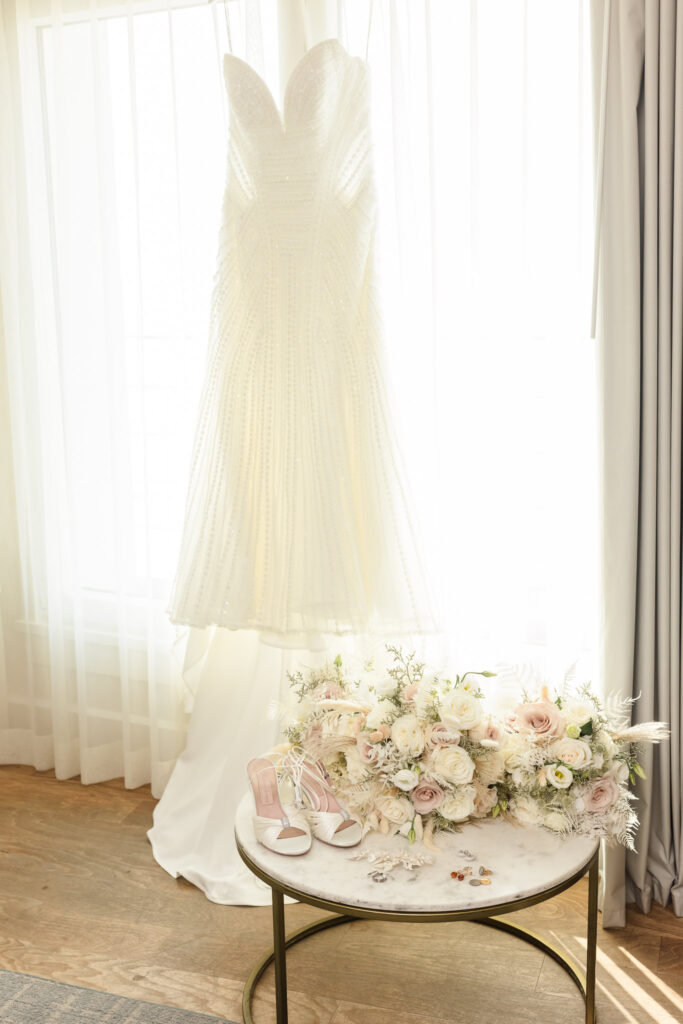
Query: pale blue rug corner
26	999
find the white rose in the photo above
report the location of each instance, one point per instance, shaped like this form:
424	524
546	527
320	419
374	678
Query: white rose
577	714
461	710
396	809
385	687
406	779
576	753
454	764
558	776
556	821
526	810
381	713
408	736
459	805
491	768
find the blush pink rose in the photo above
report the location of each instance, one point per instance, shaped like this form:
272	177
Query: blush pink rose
409	693
540	719
487	732
328	691
426	797
366	747
601	794
441	735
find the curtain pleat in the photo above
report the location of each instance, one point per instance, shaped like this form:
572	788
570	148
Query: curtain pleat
640	335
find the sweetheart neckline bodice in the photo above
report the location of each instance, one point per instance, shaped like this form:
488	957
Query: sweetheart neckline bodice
281	116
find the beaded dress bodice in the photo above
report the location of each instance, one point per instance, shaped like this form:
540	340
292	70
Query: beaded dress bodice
296	519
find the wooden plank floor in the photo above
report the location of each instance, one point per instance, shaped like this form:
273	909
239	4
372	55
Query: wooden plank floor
83	901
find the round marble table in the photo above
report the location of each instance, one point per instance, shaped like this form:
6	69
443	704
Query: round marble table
528	865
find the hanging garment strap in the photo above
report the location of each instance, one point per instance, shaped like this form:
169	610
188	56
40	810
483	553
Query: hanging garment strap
367	41
226	8
306	22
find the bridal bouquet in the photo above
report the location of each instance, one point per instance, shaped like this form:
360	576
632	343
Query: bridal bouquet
415	754
568	761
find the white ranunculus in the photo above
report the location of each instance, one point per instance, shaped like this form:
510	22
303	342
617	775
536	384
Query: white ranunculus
576	753
556	821
559	776
577	714
385	687
460	710
526	810
406	779
396	809
454	764
407	734
380	713
459	805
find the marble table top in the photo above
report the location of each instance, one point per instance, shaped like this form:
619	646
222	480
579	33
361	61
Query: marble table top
524	862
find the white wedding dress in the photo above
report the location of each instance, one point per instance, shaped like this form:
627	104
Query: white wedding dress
297	532
297	521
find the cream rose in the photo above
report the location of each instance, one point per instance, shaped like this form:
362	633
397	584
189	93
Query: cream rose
540	720
525	810
460	710
459	805
454	764
559	776
578	714
385	687
406	779
395	808
408	736
576	753
514	751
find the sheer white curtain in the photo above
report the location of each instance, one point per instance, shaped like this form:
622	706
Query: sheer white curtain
111	167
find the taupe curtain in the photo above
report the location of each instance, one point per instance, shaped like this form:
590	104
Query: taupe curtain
640	335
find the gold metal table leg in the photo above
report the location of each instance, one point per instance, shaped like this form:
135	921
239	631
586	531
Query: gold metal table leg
592	939
277	956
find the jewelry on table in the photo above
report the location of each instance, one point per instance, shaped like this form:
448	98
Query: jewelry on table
385	861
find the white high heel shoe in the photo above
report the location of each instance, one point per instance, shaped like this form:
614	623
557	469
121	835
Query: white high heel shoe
329	821
280	829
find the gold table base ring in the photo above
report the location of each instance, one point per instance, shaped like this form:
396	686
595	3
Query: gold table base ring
584	982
